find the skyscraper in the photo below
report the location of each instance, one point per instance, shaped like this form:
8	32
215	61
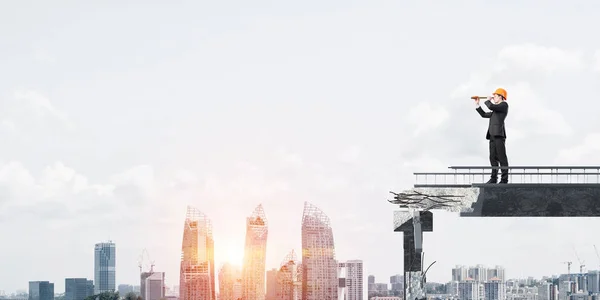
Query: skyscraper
593	281
253	272
498	272
272	285
319	273
460	273
143	277
154	286
478	273
469	290
547	291
353	279
289	278
104	267
197	274
495	289
371	286
397	283
41	290
230	277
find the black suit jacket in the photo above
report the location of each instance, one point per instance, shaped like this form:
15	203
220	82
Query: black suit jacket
497	115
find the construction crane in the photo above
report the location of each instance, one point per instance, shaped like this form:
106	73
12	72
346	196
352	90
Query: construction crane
568	267
597	255
581	263
147	258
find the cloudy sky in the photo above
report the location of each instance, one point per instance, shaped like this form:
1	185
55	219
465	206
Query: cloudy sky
114	117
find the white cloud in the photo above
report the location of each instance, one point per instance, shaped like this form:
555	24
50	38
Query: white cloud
523	57
472	87
141	176
30	108
530	115
426	117
426	163
16	181
40	105
587	150
250	182
184	178
243	186
535	57
136	185
62	185
58	179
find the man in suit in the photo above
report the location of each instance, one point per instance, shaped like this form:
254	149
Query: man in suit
496	132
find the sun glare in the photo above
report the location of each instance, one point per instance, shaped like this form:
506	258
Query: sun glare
234	256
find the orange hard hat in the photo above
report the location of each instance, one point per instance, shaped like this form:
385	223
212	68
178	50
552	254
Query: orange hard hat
501	92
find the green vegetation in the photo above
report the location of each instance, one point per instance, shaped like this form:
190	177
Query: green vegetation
105	296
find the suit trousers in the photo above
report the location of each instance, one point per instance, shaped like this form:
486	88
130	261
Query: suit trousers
498	155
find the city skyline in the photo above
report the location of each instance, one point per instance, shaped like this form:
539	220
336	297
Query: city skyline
114	118
462	277
472	282
196	214
197	267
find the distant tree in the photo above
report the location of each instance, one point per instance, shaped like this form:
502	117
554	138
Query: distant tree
132	296
377	294
105	296
111	296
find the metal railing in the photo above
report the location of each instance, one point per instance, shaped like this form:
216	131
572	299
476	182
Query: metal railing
466	176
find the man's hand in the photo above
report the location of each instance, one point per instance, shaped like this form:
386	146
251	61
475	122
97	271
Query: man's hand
476	98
